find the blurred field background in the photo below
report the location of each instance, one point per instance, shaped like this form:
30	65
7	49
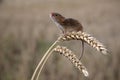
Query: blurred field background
26	32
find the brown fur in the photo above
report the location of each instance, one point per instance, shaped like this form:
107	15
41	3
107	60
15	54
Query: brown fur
68	24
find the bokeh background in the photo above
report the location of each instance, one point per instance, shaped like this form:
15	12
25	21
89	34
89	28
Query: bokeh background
26	32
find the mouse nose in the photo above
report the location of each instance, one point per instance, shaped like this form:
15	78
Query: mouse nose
51	14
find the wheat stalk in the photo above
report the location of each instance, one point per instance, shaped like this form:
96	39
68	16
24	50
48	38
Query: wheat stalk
86	38
44	59
72	57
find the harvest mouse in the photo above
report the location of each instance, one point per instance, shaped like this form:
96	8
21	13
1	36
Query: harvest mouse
67	25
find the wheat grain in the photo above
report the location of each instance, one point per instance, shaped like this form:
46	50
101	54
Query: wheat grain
86	38
72	57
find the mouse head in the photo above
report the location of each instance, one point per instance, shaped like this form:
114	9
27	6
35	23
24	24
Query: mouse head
57	17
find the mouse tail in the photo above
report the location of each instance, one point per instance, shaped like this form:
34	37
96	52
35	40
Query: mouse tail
82	50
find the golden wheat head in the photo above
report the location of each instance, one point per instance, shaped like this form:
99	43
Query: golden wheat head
86	38
72	57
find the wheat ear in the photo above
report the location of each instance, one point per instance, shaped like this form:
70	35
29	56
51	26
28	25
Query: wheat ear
86	38
72	57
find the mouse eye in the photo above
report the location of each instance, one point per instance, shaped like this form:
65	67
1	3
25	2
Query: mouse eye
56	15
